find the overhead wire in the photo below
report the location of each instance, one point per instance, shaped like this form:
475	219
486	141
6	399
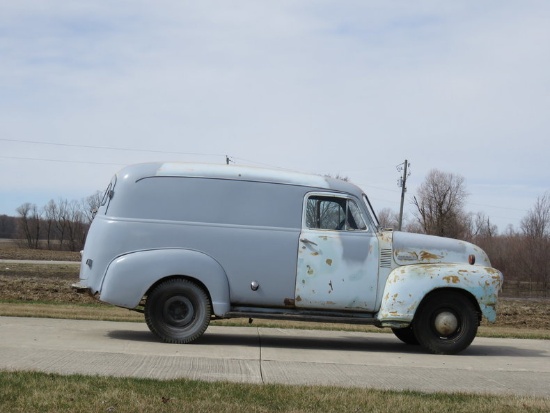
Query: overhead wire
110	148
127	149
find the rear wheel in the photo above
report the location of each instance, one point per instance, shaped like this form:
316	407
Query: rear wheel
178	311
446	323
406	335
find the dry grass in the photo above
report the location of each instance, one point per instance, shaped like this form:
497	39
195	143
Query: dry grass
39	392
96	311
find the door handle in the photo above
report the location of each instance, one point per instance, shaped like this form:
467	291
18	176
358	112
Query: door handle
306	241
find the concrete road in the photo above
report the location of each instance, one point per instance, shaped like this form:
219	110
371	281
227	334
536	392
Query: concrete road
263	355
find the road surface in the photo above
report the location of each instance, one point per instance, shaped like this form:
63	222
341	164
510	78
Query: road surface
266	355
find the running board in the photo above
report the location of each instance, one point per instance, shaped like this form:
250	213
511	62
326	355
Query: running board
309	316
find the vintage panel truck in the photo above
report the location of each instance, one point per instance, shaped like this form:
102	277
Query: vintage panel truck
187	243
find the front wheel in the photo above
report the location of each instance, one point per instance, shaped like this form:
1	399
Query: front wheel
178	311
446	323
406	335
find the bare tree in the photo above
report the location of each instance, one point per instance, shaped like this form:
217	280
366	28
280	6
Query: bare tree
536	246
478	226
90	205
50	216
7	226
76	227
537	222
337	176
388	218
440	204
61	221
29	224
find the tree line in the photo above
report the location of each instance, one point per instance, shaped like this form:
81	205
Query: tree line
61	224
523	255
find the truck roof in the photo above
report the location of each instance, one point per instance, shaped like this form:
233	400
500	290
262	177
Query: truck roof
235	172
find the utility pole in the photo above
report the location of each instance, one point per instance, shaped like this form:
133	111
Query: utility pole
402	182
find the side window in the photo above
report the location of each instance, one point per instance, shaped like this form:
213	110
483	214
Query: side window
333	213
355	217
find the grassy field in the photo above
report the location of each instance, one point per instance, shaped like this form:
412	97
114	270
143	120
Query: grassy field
43	290
26	392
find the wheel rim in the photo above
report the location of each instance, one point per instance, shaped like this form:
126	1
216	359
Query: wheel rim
178	311
446	324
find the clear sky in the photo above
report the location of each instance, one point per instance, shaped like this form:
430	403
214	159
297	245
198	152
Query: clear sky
341	87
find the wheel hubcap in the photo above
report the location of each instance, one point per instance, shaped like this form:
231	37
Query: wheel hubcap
446	323
178	311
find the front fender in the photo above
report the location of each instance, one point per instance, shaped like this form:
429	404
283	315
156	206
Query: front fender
407	286
129	276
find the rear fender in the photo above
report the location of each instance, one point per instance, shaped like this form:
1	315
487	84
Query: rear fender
407	286
129	277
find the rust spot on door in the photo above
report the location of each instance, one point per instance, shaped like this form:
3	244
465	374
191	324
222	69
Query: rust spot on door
329	261
289	302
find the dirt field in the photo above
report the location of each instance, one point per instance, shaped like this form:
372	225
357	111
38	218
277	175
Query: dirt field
50	283
10	251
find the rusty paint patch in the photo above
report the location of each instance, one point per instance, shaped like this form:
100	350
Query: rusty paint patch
315	253
309	270
454	279
428	256
289	301
298	298
328	261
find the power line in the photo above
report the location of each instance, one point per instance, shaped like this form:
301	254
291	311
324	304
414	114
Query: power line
21	158
114	148
110	148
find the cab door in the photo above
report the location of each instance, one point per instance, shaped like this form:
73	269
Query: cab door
337	257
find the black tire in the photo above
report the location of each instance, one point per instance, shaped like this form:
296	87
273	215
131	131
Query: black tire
178	311
406	335
446	323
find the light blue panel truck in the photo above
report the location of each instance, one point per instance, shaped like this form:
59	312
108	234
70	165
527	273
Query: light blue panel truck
188	243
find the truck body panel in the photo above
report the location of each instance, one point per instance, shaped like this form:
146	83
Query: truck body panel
274	243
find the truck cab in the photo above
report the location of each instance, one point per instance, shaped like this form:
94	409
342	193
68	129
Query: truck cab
187	243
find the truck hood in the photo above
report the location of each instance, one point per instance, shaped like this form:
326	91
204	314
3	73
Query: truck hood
411	248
